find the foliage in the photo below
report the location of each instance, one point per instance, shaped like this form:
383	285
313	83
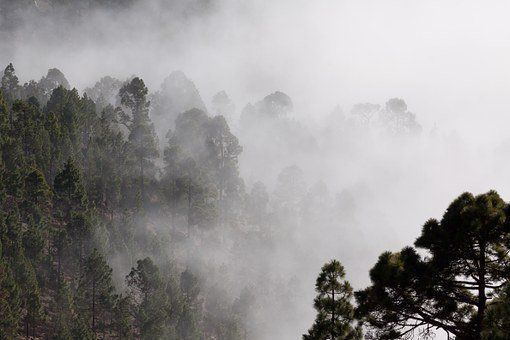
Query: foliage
335	313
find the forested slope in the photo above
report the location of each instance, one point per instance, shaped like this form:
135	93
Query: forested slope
79	190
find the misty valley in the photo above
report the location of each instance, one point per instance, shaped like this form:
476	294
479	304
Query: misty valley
240	170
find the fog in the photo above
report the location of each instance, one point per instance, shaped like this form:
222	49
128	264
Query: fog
447	59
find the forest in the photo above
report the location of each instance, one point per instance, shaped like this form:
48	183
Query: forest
236	170
85	184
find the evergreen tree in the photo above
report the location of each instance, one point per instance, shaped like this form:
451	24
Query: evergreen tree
36	194
146	288
142	139
69	187
10	301
55	142
451	287
95	291
497	323
64	306
187	325
223	152
10	84
122	319
5	130
30	294
335	313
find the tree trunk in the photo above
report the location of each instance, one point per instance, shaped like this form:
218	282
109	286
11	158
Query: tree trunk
94	306
142	186
482	298
333	315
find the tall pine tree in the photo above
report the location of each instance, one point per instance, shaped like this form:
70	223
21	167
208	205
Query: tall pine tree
335	313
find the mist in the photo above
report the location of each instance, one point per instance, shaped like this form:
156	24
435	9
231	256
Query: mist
338	187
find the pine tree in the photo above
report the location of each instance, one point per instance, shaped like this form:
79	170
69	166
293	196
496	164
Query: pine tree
31	133
36	194
53	127
64	306
450	282
187	325
5	129
122	319
95	291
69	188
10	301
142	139
146	288
223	152
10	84
335	313
30	293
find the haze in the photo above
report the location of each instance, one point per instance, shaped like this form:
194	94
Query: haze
447	59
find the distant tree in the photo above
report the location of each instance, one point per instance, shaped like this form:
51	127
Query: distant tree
105	92
466	262
190	287
365	112
257	204
178	94
122	319
95	291
69	187
146	289
66	107
290	188
142	139
56	151
5	126
27	123
222	105
80	233
34	242
36	193
241	309
63	304
398	120
187	325
10	303
10	84
30	293
81	330
335	313
274	105
53	79
223	152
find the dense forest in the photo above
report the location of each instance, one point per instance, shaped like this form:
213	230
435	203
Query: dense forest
87	188
79	187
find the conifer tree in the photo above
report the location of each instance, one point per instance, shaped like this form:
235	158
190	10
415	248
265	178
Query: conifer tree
4	129
36	194
63	304
335	313
142	139
69	187
451	287
95	291
30	294
10	84
146	289
10	303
